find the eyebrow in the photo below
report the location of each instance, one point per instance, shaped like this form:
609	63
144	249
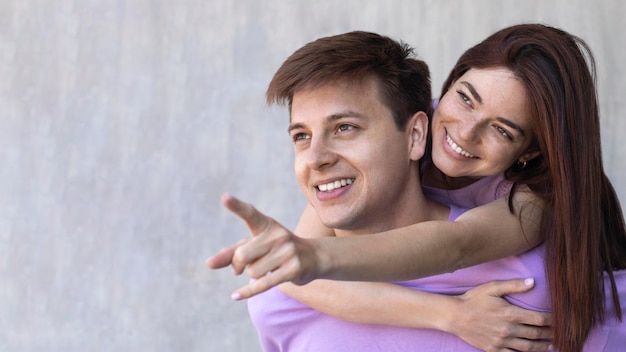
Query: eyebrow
331	118
512	125
473	91
503	120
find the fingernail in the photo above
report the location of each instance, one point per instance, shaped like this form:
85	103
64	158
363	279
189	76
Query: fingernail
529	282
550	348
235	296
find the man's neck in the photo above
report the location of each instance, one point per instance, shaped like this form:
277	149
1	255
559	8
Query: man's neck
423	209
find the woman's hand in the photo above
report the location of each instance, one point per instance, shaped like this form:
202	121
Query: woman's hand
272	255
485	320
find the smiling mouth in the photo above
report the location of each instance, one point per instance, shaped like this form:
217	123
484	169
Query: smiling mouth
458	149
328	187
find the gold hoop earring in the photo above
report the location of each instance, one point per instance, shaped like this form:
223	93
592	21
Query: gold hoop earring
521	164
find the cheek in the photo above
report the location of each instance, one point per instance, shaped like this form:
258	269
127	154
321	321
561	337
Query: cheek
444	105
446	115
437	115
299	169
436	140
502	156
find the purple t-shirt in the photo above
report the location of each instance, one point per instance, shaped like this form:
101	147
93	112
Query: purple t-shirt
285	324
608	337
481	192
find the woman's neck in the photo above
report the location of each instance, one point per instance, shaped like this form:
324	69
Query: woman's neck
432	177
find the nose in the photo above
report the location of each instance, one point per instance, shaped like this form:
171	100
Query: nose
320	154
471	129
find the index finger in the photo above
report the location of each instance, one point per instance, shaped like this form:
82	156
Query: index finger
256	221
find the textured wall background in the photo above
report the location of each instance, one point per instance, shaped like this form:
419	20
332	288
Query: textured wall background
121	123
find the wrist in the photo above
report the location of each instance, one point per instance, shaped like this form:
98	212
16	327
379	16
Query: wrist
447	320
323	257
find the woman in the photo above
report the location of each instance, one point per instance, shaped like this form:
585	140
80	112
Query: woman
582	242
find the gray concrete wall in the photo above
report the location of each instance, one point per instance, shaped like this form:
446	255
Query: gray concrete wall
122	122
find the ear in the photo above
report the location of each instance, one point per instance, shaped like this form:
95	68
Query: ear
418	133
529	155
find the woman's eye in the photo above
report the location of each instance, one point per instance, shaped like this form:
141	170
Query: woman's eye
464	97
504	132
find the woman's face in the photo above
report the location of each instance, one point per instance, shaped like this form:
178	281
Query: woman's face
482	125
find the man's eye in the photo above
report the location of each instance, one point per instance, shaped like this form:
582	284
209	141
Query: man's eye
299	137
344	127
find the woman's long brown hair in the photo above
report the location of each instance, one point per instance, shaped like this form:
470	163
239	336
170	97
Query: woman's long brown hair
582	221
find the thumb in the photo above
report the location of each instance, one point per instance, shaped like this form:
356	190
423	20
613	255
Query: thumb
256	221
503	288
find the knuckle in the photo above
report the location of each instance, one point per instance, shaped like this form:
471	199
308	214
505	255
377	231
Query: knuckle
287	254
503	331
254	272
292	251
540	319
251	272
545	333
524	345
239	257
534	334
275	232
293	269
292	266
512	315
261	284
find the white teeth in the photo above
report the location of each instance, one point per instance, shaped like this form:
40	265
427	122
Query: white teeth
458	149
334	185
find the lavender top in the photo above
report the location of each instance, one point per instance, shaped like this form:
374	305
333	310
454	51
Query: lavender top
285	324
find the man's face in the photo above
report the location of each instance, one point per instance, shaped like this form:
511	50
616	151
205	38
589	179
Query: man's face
351	161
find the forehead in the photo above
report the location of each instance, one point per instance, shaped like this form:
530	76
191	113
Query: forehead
338	97
494	77
500	91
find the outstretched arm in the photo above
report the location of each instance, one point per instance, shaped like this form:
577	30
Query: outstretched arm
478	236
480	317
482	234
494	322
